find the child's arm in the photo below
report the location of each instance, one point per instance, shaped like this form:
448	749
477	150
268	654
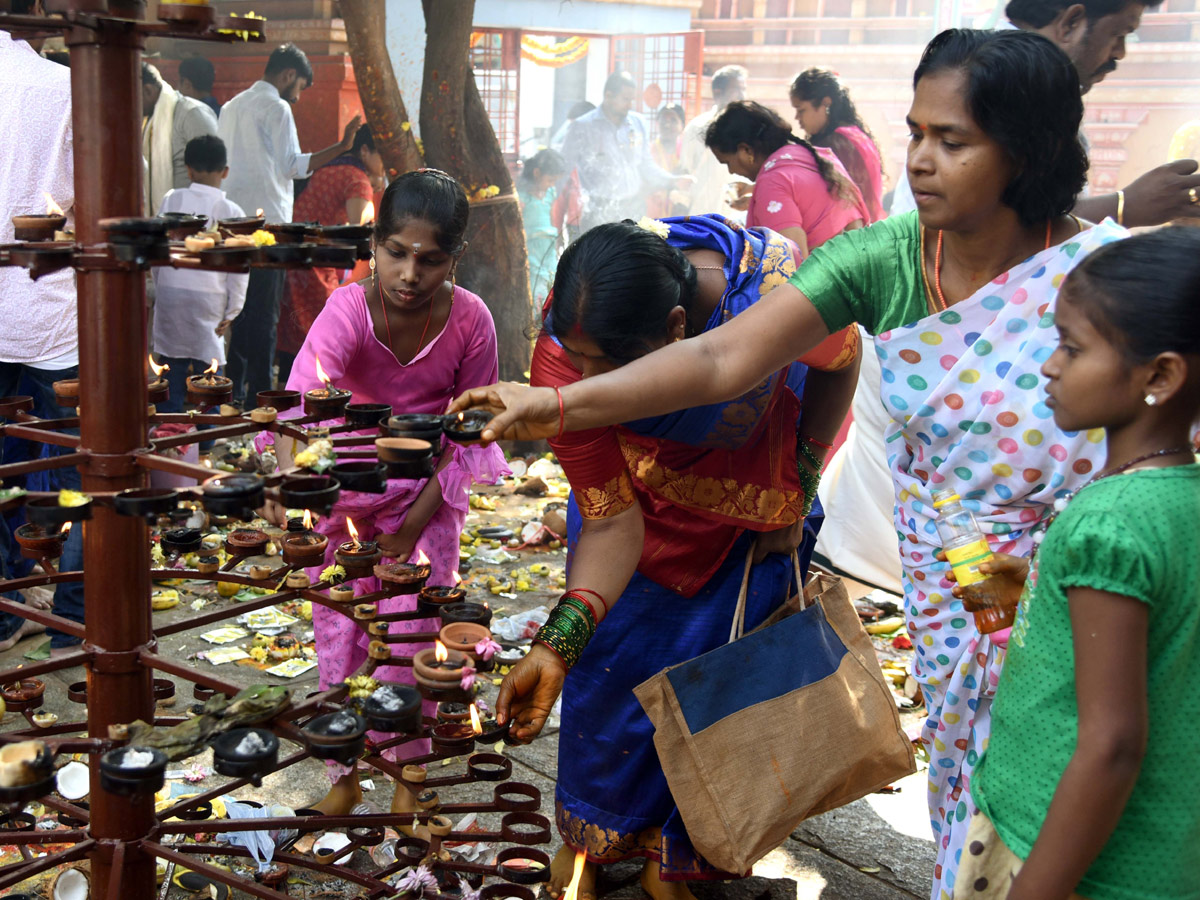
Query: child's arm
399	546
1113	726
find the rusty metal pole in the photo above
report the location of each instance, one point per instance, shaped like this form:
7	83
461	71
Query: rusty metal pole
107	114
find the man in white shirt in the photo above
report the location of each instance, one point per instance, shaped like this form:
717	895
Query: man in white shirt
708	193
39	338
194	309
171	121
264	158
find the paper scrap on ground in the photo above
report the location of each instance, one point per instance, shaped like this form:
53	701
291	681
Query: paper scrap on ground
291	668
226	635
262	619
223	655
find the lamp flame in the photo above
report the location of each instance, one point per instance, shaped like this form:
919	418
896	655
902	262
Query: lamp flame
475	726
353	532
572	891
322	375
457	578
212	369
66	528
439	651
52	208
460	417
260	212
308	520
422	559
157	369
368	214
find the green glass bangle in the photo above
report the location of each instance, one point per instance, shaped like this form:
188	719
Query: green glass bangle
567	632
806	450
575	603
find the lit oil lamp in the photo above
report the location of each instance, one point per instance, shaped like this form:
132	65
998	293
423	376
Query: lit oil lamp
304	547
156	384
466	611
40	227
439	669
403	577
438	595
485	727
357	557
40	543
328	401
208	388
467	426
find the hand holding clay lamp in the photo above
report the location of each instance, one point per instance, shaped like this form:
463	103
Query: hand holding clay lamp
208	388
357	557
485	727
466	427
325	402
37	227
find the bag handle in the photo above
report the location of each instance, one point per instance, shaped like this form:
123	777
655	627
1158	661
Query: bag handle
738	628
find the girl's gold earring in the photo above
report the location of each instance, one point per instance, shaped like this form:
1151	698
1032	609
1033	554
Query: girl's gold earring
372	263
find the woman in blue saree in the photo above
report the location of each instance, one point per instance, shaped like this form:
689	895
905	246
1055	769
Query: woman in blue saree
664	512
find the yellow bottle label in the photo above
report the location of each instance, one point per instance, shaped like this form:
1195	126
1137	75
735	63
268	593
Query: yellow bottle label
966	560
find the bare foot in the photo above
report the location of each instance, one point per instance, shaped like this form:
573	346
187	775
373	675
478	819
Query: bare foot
344	794
561	870
658	889
27	628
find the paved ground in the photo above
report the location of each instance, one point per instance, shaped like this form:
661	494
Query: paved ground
876	849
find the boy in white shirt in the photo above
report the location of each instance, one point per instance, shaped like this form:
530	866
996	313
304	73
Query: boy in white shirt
193	309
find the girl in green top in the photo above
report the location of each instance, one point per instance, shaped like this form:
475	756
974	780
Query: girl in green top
1086	784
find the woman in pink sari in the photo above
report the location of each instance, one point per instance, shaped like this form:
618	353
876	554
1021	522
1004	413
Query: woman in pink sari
827	115
408	337
800	191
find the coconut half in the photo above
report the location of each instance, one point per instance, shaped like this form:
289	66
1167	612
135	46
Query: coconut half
73	781
71	884
331	843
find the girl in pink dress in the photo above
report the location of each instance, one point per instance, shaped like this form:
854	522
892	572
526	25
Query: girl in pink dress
827	114
408	337
801	191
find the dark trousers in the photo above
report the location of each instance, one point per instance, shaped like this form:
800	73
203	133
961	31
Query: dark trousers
252	347
16	378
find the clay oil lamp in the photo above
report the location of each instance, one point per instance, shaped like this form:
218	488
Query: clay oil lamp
302	547
23	694
11	407
466	427
156	385
178	541
180	224
242	224
40	227
340	736
325	402
367	476
196	15
438	669
435	596
26	772
54	512
357	236
317	493
244	542
357	557
291	232
37	542
404	578
367	415
280	401
66	392
233	495
393	708
339	256
133	771
149	503
422	426
464	636
485	727
208	388
452	738
406	457
246	753
453	711
137	240
466	611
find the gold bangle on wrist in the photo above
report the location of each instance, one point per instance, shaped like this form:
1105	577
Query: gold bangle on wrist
1120	207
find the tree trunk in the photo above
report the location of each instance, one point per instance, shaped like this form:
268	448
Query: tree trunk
377	85
459	138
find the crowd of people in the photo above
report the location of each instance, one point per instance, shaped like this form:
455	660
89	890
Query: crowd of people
714	296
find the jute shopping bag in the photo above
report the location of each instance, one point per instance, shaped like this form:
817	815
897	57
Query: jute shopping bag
778	725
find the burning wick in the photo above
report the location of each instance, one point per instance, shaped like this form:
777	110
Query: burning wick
368	214
422	559
440	653
308	520
475	726
52	208
211	371
353	533
572	891
259	213
324	378
65	529
457	578
157	369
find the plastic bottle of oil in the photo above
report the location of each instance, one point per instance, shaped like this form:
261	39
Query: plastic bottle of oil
966	548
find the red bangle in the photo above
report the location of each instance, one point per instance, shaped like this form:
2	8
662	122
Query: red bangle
821	444
593	593
562	416
578	595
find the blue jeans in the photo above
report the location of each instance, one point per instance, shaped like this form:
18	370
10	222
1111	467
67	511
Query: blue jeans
252	347
17	378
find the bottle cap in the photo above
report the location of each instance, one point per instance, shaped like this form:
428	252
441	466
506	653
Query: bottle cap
944	498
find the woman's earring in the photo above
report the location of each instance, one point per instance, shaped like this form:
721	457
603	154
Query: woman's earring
372	263
1151	400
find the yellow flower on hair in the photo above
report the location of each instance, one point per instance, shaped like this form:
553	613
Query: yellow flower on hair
662	229
406	126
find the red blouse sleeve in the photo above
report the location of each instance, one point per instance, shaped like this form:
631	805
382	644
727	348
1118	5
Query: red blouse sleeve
592	459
